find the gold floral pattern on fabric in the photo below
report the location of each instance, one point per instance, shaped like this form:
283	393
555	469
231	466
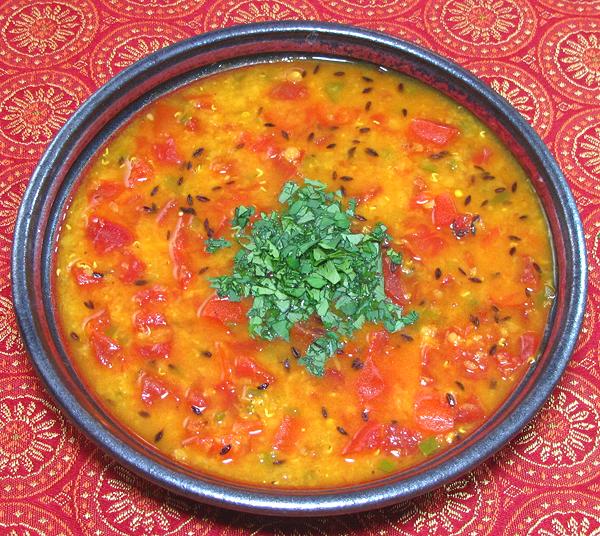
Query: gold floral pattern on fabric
482	28
36	444
563	444
111	499
33	107
45	32
570	58
232	12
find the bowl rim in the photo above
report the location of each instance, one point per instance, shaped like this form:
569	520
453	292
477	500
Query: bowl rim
305	502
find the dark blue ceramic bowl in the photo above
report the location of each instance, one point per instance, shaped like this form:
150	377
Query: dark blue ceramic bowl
56	175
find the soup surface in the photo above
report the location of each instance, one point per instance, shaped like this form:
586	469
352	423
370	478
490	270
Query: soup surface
383	269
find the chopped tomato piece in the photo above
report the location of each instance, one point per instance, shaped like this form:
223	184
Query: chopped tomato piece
130	268
425	242
144	321
84	276
246	367
462	226
370	381
167	151
107	236
196	399
433	414
529	343
154	294
369	437
530	276
392	282
177	247
222	309
158	350
141	171
325	116
377	341
288	91
105	349
444	210
427	131
286	436
388	437
482	156
469	412
105	191
155	389
369	194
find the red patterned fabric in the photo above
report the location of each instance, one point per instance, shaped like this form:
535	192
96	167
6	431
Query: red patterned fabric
542	55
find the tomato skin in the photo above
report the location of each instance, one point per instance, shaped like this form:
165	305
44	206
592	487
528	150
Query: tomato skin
444	210
159	350
167	151
84	277
177	246
286	435
427	131
529	275
246	367
105	349
130	268
288	91
107	236
434	415
223	310
392	282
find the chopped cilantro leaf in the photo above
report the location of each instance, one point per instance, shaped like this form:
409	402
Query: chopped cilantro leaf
215	244
394	256
305	261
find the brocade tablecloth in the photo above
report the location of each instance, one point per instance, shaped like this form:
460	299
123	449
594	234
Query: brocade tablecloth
542	55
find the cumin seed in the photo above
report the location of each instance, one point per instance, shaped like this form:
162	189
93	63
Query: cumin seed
286	364
365	415
474	320
179	181
202	199
324	412
74	336
339	73
460	385
225	449
341	430
371	152
351	152
159	436
359	217
285	135
467	200
404	112
263	386
144	414
438	273
198	152
188	210
400	87
500	190
153	191
493	349
206	353
330	146
346	178
513	188
197	410
89	304
512	251
406	337
357	364
189	199
367	90
368	106
450	399
475	280
296	352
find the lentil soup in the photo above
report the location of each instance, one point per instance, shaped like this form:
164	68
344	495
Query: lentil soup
303	274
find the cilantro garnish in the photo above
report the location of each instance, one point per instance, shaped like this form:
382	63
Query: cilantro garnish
305	261
215	244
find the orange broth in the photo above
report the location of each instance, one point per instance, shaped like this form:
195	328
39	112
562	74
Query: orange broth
176	365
